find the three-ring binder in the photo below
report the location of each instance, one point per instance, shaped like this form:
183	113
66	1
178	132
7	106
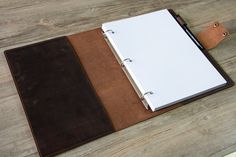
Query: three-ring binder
122	63
152	50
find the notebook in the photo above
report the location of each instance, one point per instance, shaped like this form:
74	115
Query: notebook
163	61
73	90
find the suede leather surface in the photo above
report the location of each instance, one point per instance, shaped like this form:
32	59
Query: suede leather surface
61	106
111	84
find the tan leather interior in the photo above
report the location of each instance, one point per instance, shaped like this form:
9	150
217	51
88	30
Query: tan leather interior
112	86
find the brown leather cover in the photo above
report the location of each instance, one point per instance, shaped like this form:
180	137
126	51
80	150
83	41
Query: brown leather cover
111	84
61	106
72	97
211	36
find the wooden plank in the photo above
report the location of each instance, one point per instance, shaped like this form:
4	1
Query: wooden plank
206	127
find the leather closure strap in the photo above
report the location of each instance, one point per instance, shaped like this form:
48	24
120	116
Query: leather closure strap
212	35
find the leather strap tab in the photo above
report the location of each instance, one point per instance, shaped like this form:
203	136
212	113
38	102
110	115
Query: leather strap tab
212	35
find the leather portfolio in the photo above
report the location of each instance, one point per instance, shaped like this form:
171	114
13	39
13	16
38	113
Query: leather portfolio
73	89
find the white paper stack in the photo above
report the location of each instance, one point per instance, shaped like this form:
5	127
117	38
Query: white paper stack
163	63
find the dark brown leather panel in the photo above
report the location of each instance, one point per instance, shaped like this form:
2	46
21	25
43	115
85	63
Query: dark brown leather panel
112	86
59	101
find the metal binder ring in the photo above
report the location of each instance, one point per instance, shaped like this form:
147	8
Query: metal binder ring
109	30
126	60
143	96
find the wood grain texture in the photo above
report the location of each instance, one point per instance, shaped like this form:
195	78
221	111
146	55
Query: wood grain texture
206	127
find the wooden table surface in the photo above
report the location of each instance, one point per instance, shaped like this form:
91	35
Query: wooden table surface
206	127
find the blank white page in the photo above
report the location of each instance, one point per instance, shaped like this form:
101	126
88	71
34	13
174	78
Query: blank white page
165	59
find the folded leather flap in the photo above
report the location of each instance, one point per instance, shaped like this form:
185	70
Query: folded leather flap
211	36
